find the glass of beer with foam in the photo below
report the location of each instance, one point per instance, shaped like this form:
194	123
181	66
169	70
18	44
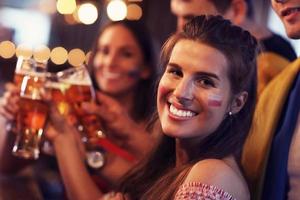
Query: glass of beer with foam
24	67
77	88
33	113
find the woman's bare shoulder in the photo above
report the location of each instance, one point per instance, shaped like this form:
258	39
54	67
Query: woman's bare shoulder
220	174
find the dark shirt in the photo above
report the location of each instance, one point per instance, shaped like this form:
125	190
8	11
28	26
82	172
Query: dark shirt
279	45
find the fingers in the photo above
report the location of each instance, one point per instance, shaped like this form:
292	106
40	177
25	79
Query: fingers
12	88
58	124
100	110
57	120
9	103
51	133
105	99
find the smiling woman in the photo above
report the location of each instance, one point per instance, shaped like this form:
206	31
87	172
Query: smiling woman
205	102
188	88
123	72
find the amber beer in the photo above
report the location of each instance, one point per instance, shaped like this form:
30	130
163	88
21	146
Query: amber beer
76	94
31	118
59	99
18	77
30	124
78	85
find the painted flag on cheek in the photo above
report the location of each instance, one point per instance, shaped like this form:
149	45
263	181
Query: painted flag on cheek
214	100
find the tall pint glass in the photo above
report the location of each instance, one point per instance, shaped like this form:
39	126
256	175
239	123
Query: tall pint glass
78	89
24	67
32	116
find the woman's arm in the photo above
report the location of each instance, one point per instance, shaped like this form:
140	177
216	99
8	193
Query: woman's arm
71	160
78	182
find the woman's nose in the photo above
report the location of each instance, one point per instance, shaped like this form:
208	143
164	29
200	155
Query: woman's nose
184	91
110	60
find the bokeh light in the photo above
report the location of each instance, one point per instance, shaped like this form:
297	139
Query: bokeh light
116	10
7	49
76	57
66	6
59	55
87	13
134	12
24	50
41	53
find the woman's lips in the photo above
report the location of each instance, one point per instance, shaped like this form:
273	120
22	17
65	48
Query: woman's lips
111	75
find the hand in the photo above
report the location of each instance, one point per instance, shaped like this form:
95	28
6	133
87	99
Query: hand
60	130
113	114
9	102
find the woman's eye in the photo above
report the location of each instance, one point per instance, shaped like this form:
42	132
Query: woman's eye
127	54
103	50
205	82
174	72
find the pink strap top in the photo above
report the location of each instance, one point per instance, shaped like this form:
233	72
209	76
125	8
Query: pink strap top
200	191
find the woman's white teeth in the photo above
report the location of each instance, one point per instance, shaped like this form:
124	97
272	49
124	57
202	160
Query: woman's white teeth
181	113
111	75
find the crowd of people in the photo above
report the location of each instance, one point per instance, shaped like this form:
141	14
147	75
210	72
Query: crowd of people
207	114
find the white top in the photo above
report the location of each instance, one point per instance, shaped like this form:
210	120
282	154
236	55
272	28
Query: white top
294	164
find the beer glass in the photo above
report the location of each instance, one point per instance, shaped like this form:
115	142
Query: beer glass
24	67
77	86
33	111
57	90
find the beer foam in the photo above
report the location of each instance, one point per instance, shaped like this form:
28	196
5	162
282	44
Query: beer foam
56	85
31	74
77	79
24	65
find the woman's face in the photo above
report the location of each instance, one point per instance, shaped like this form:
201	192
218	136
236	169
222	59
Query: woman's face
194	91
118	61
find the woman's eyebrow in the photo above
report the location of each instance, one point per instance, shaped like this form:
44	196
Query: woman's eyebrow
203	73
173	65
208	74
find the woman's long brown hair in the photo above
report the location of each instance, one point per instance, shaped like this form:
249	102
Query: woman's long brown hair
157	177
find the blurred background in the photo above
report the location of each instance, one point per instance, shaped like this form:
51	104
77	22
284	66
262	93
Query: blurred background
63	31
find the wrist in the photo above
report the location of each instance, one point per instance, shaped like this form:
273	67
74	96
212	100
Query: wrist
62	139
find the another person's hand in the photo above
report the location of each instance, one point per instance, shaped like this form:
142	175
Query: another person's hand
113	114
60	130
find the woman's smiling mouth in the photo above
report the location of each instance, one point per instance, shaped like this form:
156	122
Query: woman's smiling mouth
181	113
